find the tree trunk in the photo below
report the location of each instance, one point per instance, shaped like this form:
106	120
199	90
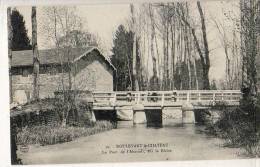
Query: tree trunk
10	36
181	56
173	54
36	63
188	43
163	62
152	41
129	71
136	85
195	73
167	49
193	57
138	64
158	58
154	60
206	63
249	47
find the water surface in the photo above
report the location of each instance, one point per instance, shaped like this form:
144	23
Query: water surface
184	142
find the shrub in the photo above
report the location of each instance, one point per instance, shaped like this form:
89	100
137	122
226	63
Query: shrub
53	111
47	135
69	106
240	126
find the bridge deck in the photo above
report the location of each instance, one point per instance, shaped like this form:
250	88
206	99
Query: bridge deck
161	99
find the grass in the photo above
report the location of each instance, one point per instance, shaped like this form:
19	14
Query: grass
48	135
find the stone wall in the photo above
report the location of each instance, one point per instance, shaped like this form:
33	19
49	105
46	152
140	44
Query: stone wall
22	86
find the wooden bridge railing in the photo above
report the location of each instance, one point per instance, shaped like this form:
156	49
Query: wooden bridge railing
164	97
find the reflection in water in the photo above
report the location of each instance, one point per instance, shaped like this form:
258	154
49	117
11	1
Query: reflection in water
192	128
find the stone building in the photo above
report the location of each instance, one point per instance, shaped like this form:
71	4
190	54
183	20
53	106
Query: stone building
77	68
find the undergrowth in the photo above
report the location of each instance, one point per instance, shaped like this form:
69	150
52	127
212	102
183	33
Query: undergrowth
47	135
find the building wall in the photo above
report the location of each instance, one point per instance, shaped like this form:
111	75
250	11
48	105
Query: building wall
22	86
90	73
93	73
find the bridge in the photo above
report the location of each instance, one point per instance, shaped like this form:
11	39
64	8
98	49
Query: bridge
160	99
143	102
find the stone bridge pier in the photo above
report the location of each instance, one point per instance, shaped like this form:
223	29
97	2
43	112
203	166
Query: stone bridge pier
188	115
183	106
154	117
158	117
139	116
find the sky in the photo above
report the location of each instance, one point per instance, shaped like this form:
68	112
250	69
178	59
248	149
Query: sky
103	19
97	19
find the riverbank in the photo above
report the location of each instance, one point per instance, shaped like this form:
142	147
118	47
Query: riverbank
48	135
239	127
186	142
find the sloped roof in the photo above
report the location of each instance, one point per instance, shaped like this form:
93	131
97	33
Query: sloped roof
50	56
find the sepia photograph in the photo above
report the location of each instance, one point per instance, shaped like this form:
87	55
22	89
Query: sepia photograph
134	82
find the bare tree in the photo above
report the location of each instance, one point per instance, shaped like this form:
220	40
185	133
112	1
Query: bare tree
36	62
64	29
230	45
164	28
171	43
249	46
10	36
135	80
203	51
204	58
155	81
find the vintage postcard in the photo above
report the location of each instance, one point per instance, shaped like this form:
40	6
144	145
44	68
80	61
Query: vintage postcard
134	81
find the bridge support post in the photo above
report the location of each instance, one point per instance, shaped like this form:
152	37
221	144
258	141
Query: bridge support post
93	117
139	116
188	116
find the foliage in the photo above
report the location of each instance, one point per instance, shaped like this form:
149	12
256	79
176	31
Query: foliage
58	22
63	28
122	58
67	104
54	111
80	39
20	40
249	44
46	135
240	127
